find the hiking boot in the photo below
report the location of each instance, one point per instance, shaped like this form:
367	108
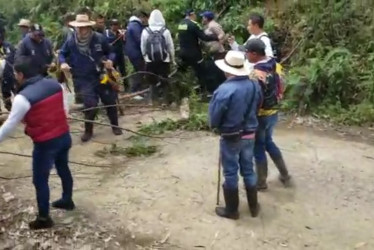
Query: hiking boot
254	206
88	132
232	203
41	223
284	177
262	174
117	131
65	205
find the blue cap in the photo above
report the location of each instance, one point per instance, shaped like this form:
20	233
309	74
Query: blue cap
208	14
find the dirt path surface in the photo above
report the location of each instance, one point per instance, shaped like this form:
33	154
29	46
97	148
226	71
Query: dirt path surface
167	200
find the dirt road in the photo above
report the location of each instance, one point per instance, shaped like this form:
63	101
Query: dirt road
170	196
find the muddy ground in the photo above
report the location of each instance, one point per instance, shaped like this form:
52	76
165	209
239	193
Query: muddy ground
167	200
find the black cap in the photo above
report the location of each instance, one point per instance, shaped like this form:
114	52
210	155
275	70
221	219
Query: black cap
114	22
255	45
36	27
189	12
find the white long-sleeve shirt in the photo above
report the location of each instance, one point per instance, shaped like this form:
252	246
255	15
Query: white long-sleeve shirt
20	107
264	37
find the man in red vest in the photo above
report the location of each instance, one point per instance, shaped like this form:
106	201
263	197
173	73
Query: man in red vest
40	105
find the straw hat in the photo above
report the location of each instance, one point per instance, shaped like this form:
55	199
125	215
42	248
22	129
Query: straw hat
233	64
24	23
82	20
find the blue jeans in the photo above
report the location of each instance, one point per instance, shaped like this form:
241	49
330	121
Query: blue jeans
238	156
45	154
264	138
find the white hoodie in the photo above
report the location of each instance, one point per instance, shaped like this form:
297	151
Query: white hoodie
157	22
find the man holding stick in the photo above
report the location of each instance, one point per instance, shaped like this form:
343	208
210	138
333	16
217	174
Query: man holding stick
36	97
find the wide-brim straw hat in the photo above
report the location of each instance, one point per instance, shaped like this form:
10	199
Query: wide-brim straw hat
233	64
24	23
82	21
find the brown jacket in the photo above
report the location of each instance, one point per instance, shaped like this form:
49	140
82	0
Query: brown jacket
214	28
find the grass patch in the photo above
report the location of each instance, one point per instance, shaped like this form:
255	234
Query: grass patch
138	148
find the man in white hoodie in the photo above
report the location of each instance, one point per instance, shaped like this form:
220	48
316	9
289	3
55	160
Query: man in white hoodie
158	51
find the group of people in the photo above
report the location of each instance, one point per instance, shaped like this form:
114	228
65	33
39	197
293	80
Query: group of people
243	108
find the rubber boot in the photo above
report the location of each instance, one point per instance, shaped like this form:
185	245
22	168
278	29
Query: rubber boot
113	118
232	204
63	204
88	127
254	206
282	168
41	223
262	174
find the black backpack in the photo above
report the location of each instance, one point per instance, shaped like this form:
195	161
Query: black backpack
275	48
156	49
271	90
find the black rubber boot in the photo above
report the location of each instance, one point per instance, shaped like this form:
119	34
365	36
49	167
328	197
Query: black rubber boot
284	177
262	174
232	204
41	223
254	206
88	127
113	118
65	205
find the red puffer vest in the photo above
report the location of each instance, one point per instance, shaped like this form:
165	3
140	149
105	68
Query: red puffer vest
46	119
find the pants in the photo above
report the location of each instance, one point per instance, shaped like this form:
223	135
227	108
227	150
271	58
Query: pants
213	76
7	88
159	69
91	90
120	65
139	65
238	155
45	154
264	138
197	64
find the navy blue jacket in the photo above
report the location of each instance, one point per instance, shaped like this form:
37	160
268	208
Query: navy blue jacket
133	35
234	105
116	43
8	52
84	66
41	53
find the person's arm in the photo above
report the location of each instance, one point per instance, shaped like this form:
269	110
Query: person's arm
268	48
218	107
21	51
64	52
19	109
201	35
170	45
65	98
50	48
108	50
143	42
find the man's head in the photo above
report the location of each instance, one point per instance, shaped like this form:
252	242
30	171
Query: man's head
37	33
190	14
24	68
256	24
255	49
24	25
208	16
82	25
115	25
100	23
142	15
68	17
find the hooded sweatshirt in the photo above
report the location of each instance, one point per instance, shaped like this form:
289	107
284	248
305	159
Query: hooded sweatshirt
133	34
157	22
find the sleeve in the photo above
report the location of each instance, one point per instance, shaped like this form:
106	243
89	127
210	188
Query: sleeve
21	51
107	49
65	99
143	42
12	54
170	45
137	34
64	52
202	36
19	109
50	48
218	107
268	48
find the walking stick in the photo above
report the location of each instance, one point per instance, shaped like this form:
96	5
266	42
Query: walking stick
219	178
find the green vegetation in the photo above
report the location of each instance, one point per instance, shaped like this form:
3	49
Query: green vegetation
139	148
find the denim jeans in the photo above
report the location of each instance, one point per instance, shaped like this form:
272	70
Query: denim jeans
264	138
45	154
238	156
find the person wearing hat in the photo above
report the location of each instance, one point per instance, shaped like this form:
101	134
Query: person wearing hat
89	53
190	33
24	26
115	37
38	47
7	54
232	111
270	82
41	105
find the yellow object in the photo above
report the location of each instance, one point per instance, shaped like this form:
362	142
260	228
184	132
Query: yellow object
279	69
106	78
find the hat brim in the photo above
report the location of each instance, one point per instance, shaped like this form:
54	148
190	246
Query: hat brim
233	71
82	24
23	25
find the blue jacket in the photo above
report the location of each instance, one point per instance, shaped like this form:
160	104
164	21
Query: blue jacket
234	105
84	66
8	51
133	35
41	53
116	43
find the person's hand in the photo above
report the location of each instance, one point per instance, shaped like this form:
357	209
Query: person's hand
108	64
65	67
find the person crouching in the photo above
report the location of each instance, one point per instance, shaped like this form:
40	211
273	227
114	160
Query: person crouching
232	111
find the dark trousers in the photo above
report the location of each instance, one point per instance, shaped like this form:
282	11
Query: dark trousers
120	65
7	88
158	69
137	80
197	64
45	155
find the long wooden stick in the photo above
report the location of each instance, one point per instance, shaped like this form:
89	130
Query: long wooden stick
219	178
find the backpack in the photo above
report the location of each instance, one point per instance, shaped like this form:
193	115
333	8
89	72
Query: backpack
156	48
275	48
272	87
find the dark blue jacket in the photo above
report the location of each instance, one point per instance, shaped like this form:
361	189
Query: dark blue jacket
234	105
133	35
8	51
116	43
84	66
41	53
